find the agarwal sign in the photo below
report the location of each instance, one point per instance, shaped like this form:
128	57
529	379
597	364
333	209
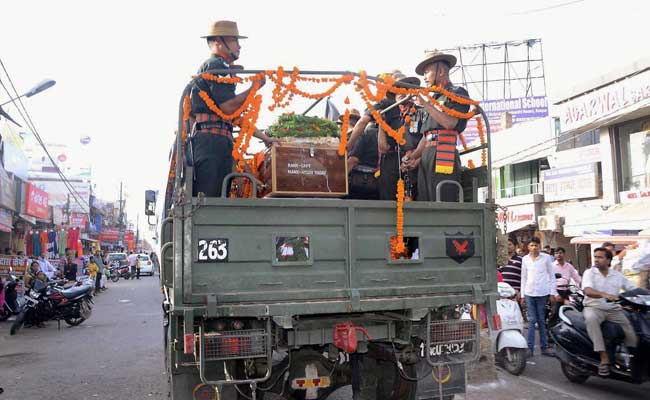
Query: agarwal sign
605	101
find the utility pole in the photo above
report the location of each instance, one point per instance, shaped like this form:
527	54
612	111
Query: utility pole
67	211
137	231
120	219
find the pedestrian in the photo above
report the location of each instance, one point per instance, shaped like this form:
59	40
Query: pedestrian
512	270
537	287
565	268
70	269
211	140
132	259
100	270
602	286
138	266
92	269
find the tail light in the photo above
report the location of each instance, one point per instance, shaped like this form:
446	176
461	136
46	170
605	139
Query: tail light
496	322
148	262
188	343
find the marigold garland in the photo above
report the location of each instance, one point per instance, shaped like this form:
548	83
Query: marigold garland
344	132
399	244
481	135
247	114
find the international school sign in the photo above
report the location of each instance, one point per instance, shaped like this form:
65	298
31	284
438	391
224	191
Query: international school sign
522	109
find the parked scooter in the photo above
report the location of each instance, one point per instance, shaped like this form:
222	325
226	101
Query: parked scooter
511	347
575	350
8	298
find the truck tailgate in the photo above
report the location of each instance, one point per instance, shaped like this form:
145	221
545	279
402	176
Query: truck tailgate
346	251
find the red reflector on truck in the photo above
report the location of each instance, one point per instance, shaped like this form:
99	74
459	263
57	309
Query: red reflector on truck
188	343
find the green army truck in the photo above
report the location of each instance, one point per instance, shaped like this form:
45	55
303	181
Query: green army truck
246	318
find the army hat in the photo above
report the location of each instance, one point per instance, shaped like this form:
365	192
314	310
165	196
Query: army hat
224	28
435	56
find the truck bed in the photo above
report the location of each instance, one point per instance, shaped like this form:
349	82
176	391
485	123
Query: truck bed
347	267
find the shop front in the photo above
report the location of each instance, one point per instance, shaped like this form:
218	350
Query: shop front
519	221
7	208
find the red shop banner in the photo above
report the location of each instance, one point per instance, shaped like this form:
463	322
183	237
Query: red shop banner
12	263
78	220
36	201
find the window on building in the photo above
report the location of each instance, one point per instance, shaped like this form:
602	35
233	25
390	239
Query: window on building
634	155
574	140
519	179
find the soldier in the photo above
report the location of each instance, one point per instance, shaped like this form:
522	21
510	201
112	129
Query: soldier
211	138
439	158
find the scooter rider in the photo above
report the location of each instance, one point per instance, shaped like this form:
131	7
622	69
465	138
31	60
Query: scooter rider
602	284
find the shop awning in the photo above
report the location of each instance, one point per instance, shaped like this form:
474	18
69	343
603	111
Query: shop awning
621	219
612	239
511	146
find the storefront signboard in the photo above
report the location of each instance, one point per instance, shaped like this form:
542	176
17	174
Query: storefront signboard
577	182
78	220
13	264
605	101
36	201
634	195
7	191
517	217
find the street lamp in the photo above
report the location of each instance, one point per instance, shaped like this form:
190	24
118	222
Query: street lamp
45	84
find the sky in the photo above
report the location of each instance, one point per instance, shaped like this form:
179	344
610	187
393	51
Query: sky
120	66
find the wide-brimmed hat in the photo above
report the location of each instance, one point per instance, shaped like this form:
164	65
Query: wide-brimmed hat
224	28
409	80
435	56
354	113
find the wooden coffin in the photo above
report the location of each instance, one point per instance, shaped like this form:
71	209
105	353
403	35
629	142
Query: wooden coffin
305	170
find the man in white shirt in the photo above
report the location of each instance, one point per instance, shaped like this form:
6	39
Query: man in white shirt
132	260
602	284
537	284
46	267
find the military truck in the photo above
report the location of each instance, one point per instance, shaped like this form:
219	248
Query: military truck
245	319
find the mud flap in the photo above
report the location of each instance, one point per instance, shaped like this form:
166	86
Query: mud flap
451	378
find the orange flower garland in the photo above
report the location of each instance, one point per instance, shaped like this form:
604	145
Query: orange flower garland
470	164
283	92
344	130
481	135
399	245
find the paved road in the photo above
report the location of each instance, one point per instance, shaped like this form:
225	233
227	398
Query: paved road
117	354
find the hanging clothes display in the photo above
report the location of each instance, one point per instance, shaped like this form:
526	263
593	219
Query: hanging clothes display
29	245
36	241
44	242
73	236
51	243
80	248
19	243
62	241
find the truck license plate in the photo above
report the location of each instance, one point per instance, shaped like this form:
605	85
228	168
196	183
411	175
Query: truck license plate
437	350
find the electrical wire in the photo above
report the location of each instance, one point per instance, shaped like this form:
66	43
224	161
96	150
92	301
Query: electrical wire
30	124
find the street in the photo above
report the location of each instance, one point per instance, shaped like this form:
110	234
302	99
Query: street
117	354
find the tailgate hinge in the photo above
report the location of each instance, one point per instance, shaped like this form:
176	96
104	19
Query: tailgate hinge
479	297
211	305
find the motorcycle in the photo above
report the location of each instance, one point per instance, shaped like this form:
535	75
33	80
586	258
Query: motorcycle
571	296
124	271
54	302
9	304
575	350
510	346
